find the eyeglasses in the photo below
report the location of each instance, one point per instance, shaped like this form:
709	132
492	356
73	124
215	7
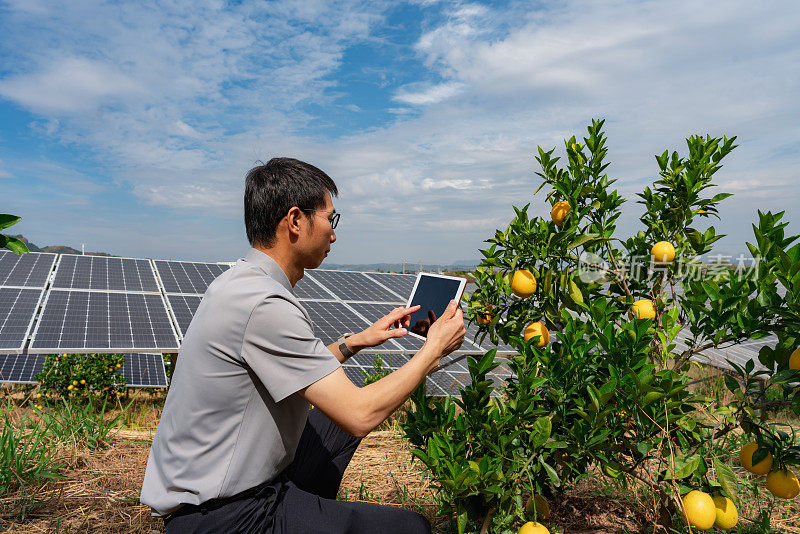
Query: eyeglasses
334	220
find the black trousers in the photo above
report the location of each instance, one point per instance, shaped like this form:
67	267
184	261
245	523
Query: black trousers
302	499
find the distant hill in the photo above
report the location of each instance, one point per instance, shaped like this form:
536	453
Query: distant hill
56	249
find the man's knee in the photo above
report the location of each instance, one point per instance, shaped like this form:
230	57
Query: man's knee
407	522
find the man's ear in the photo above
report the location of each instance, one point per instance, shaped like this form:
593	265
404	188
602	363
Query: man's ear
294	220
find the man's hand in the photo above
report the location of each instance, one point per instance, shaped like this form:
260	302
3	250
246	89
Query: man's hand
447	334
379	332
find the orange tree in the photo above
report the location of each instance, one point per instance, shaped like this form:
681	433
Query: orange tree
610	388
82	376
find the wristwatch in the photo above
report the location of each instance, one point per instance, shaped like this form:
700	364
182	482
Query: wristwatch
343	348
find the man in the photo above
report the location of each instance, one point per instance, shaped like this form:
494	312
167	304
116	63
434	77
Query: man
237	449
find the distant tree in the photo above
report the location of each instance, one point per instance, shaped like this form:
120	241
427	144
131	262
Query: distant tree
11	243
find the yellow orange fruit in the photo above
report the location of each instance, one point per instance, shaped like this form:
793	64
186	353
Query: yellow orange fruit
700	510
794	359
662	252
533	528
69	387
643	309
746	459
83	381
537	329
727	516
74	382
783	484
559	212
485	318
523	284
540	504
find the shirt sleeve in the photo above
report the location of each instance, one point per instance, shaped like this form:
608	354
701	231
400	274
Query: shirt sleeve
280	347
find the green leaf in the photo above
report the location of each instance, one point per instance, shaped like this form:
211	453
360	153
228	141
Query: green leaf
550	472
727	478
14	245
575	292
685	466
578	241
541	430
652	397
7	220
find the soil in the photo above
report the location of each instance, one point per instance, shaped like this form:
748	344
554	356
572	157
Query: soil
101	490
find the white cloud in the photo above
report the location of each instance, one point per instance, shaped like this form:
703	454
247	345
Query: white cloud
213	89
423	94
70	85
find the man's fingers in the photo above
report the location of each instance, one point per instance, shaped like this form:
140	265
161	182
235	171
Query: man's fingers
399	332
451	309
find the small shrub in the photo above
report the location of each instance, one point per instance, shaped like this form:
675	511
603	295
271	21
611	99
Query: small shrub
28	461
82	375
377	372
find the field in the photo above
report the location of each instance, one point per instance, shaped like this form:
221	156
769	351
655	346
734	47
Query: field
99	491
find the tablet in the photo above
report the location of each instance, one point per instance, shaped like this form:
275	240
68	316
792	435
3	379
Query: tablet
433	292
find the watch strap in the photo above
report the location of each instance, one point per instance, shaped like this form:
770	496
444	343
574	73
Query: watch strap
343	348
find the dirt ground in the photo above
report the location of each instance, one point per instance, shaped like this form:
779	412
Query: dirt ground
100	493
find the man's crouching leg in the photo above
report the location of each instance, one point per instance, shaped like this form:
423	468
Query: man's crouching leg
300	512
322	455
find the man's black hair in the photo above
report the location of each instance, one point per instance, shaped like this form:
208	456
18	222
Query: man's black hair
274	188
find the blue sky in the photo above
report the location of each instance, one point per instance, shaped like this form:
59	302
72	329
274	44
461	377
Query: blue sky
129	126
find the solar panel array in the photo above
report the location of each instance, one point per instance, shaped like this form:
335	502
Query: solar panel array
66	303
139	370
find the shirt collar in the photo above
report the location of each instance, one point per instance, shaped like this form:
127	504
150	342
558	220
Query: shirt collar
269	266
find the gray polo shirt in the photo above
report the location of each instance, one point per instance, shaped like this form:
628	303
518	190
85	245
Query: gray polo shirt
233	415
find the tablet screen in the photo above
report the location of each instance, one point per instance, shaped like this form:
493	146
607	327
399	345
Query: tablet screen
433	293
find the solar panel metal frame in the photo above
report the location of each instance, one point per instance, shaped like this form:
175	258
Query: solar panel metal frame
148	261
20	349
96	349
53	259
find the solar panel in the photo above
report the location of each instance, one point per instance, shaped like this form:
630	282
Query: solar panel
183	309
17	309
402	284
350	285
20	368
84	321
188	277
355	373
332	319
25	270
103	273
305	288
144	370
